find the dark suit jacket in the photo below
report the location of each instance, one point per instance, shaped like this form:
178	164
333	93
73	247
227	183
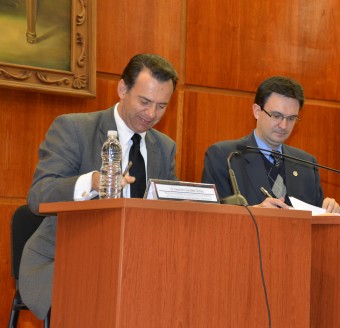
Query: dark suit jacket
302	180
72	147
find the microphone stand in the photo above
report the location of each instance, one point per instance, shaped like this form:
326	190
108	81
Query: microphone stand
237	198
293	158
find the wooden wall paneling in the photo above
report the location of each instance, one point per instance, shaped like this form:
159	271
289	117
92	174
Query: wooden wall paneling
126	28
209	118
318	49
107	92
318	134
21	128
236	44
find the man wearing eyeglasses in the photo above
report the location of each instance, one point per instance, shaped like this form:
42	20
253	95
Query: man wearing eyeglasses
262	178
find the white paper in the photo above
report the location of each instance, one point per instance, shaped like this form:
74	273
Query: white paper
300	205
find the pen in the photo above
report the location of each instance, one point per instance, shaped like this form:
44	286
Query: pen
126	171
266	193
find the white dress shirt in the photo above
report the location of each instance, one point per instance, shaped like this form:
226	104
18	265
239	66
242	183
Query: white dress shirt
83	186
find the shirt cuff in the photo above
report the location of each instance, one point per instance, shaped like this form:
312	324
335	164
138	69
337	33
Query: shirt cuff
82	189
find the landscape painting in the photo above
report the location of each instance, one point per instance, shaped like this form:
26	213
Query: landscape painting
48	46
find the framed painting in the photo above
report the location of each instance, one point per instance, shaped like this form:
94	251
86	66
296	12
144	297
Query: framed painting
48	46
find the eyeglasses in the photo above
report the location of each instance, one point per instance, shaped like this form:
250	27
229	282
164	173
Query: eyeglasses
278	117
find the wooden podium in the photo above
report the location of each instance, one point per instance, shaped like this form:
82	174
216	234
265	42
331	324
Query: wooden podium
325	272
146	263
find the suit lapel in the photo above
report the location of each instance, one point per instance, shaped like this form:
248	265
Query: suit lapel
291	170
255	169
107	123
154	156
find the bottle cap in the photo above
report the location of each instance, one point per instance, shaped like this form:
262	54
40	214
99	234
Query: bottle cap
112	134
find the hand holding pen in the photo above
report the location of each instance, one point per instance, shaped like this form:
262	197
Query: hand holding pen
266	193
271	201
126	178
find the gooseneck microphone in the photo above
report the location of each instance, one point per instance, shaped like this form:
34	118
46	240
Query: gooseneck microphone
243	148
236	198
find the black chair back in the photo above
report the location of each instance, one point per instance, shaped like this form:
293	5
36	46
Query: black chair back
24	223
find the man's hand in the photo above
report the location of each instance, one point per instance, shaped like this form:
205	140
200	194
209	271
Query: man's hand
274	203
127	179
330	205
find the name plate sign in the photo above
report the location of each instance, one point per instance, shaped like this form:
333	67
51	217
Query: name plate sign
181	190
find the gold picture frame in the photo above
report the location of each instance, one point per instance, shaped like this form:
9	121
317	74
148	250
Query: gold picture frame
77	76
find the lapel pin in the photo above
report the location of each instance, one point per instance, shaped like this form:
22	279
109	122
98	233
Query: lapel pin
295	173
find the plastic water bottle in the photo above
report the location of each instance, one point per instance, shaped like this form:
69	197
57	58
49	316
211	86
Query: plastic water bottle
110	172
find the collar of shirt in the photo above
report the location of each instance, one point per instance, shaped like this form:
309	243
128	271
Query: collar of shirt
262	144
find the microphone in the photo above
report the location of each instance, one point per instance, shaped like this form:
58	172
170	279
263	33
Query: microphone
236	198
243	148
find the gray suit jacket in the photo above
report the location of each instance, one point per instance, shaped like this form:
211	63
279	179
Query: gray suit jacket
302	180
72	147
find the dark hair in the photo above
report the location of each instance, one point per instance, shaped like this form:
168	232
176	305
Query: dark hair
160	68
281	85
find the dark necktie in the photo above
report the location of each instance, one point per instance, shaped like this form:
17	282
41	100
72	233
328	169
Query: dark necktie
137	170
276	157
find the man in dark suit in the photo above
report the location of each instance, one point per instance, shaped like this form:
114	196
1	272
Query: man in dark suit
278	102
70	158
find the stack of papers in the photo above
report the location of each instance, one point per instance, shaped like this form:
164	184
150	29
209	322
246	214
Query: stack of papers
300	205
